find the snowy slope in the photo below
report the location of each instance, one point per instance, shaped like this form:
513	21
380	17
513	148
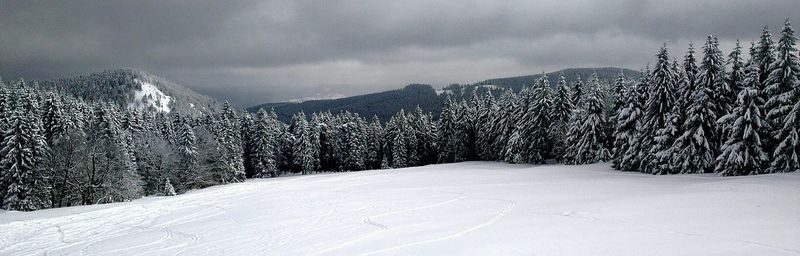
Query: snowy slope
474	208
150	97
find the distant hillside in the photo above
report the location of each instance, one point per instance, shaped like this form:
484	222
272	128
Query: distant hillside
518	82
134	89
382	104
385	104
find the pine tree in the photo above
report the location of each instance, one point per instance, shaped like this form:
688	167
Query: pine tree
23	149
374	144
626	129
743	153
447	127
538	134
501	125
515	150
187	159
265	146
691	71
695	149
303	149
425	133
485	135
764	56
577	92
169	190
351	141
562	107
230	138
465	131
618	94
590	143
323	129
165	127
783	103
399	143
734	82
247	130
572	139
660	102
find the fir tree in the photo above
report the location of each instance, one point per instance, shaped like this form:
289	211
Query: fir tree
712	77
632	159
247	130
425	133
626	129
618	93
447	140
169	190
764	56
539	130
501	125
691	72
515	150
742	152
230	138
265	147
374	144
734	82
590	143
660	102
303	149
695	149
485	133
187	159
562	107
783	103
577	92
23	149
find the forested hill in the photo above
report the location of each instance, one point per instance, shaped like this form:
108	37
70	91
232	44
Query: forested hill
518	82
134	88
382	104
385	104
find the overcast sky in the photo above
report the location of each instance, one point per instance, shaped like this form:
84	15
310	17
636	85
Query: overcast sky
259	51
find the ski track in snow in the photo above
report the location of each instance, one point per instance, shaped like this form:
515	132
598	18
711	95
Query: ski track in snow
474	208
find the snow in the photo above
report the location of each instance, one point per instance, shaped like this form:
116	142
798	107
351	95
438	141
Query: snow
490	86
474	208
318	96
150	96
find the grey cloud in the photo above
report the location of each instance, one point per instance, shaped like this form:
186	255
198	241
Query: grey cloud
254	51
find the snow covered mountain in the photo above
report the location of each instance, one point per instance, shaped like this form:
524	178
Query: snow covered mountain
136	89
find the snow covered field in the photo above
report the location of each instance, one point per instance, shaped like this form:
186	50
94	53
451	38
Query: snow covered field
475	208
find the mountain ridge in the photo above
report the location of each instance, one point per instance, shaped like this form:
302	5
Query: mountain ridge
425	96
134	88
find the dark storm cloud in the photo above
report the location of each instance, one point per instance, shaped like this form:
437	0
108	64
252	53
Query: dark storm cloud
255	51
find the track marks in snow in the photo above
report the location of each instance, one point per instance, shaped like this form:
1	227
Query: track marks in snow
370	220
500	215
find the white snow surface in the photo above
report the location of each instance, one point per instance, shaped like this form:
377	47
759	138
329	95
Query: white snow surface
473	208
150	96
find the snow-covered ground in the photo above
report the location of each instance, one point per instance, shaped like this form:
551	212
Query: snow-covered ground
475	208
150	96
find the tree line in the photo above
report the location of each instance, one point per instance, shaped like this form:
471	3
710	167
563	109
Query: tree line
722	115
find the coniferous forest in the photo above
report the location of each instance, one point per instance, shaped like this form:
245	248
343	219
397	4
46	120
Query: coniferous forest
705	112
